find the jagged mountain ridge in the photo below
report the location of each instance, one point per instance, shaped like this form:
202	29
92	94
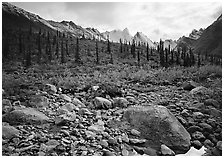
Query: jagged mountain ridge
116	35
190	40
140	37
14	17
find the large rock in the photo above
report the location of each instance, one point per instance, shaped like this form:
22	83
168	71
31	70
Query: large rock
25	116
212	102
201	90
102	103
159	126
9	132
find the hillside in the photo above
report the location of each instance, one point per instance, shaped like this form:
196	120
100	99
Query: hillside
211	39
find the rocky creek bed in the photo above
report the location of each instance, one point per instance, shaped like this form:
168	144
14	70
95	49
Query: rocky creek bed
109	120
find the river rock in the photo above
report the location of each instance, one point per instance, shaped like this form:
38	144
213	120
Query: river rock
51	89
212	102
39	101
102	103
9	132
120	102
77	102
200	90
25	116
159	126
166	151
6	106
65	97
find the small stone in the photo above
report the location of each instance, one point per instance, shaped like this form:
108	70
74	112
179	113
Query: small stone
125	138
208	143
65	97
104	143
185	113
125	152
198	136
197	144
108	153
219	145
193	129
137	141
52	142
205	127
96	128
69	107
65	132
135	132
166	150
197	115
84	111
50	89
66	140
112	141
120	102
6	106
77	102
212	102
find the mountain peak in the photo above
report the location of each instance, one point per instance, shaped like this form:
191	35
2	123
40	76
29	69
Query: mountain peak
126	30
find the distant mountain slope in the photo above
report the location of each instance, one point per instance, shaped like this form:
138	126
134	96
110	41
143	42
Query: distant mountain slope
190	40
116	35
211	39
140	37
14	17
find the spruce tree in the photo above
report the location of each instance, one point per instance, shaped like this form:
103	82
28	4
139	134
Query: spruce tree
77	55
147	52
97	53
39	46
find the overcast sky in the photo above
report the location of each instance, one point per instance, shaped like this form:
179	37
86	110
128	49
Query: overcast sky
166	20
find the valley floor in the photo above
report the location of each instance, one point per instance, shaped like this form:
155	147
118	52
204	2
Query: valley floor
78	110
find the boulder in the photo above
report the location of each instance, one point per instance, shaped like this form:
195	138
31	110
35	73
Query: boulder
51	89
120	102
6	106
25	116
9	132
159	126
102	103
200	90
